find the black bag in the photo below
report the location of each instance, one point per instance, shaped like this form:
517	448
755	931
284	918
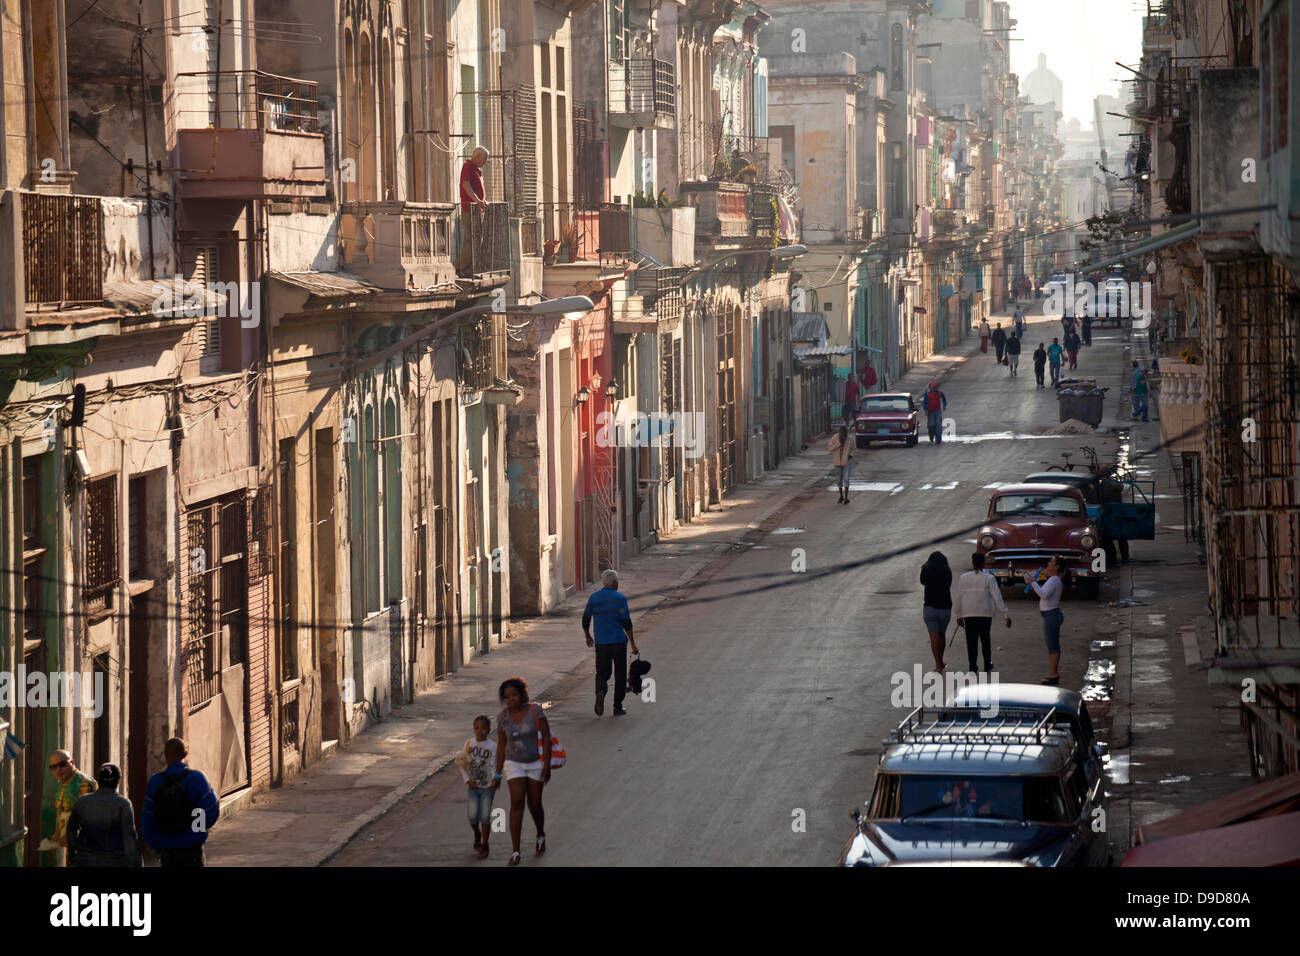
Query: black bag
172	809
635	673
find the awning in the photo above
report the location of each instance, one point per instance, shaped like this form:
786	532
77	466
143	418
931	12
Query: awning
1272	841
1151	244
1280	795
326	285
821	351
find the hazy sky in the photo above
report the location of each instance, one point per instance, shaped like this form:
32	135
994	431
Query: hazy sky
1082	40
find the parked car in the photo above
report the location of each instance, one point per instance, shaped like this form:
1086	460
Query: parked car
1011	701
1085	481
886	416
1028	523
1010	792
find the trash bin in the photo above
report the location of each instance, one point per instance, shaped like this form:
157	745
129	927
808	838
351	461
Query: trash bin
1081	405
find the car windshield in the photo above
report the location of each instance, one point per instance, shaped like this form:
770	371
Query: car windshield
1060	506
886	405
1029	799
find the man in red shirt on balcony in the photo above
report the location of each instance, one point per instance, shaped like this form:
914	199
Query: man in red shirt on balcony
472	204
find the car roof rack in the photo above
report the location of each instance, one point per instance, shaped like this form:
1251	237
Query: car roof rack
936	725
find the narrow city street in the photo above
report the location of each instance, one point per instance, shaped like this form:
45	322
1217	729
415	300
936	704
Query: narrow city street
773	687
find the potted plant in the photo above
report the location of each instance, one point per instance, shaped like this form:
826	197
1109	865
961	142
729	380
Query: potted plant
549	248
569	240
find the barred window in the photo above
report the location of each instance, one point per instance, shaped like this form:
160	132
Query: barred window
101	543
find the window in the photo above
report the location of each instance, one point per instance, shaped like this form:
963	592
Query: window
136	538
618	29
897	180
1282	70
287	629
33	552
101	544
215	624
896	56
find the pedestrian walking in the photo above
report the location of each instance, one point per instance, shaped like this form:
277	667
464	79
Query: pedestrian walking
101	828
1112	492
608	608
1013	354
867	376
1054	360
477	762
1132	387
1040	361
1020	321
936	578
934	402
1087	329
984	336
842	459
1049	606
978	596
180	808
1141	395
1072	348
999	341
852	396
72	785
524	759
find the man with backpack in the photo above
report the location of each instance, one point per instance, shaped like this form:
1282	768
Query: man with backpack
934	403
179	809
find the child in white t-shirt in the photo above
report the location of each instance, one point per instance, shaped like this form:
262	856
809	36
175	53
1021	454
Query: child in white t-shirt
477	765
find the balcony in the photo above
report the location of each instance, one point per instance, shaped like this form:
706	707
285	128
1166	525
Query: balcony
662	302
721	209
244	134
643	94
578	233
1182	406
63	250
482	239
396	245
482	352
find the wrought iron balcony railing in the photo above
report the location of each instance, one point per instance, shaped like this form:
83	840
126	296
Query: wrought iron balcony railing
246	99
582	232
644	85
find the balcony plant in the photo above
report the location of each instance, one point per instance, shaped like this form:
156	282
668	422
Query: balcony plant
549	248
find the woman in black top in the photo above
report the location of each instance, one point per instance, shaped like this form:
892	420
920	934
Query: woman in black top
936	576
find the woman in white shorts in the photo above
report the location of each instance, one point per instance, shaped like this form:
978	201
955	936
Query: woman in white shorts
524	759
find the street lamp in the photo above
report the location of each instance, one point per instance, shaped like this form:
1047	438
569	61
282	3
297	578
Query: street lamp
583	396
611	390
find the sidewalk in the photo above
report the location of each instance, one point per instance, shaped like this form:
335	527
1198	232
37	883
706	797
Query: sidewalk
313	817
1173	741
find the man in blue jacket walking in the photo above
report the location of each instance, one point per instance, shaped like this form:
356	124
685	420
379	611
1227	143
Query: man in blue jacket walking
608	607
179	809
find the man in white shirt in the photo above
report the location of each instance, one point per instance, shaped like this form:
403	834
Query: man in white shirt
978	595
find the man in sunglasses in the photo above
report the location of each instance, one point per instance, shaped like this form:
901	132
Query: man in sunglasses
73	785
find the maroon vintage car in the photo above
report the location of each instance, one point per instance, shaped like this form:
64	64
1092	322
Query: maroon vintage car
1029	523
886	416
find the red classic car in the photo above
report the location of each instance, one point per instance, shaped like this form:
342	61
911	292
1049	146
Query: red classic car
1029	523
886	416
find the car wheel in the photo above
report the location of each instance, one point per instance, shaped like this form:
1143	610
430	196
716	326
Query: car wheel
913	440
862	443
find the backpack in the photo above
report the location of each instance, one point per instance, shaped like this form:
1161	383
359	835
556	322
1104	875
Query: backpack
172	808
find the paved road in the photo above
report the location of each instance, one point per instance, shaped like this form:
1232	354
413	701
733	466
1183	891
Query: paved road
773	688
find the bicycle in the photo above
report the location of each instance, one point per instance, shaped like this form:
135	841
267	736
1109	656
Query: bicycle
1068	466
